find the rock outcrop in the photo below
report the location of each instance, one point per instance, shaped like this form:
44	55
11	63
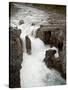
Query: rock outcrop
44	36
54	37
53	62
54	34
15	57
28	44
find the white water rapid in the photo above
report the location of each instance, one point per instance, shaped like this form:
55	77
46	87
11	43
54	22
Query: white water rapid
34	72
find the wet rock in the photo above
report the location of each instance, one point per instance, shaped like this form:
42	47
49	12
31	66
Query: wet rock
55	63
21	22
44	36
57	38
29	10
33	24
52	37
40	34
47	37
28	44
15	57
49	58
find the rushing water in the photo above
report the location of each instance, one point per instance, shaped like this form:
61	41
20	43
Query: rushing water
34	72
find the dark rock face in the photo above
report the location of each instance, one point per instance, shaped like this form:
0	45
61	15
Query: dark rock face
40	34
28	44
15	57
21	22
53	62
57	39
14	80
54	38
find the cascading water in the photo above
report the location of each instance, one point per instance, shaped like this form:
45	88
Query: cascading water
34	72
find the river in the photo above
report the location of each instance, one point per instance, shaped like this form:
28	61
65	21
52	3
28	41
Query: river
34	72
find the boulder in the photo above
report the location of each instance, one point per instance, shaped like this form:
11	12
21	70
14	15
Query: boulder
55	63
15	57
33	24
21	22
28	44
49	56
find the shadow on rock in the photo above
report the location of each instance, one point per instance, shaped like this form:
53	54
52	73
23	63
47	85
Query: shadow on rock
53	62
15	57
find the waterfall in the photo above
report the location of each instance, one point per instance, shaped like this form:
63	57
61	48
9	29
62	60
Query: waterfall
34	72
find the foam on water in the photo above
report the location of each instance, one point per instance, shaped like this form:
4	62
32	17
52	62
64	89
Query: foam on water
34	72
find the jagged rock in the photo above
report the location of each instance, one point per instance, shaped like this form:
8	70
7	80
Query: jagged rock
53	62
21	22
28	44
52	37
15	57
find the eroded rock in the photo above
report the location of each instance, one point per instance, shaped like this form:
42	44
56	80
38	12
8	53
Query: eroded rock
15	57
